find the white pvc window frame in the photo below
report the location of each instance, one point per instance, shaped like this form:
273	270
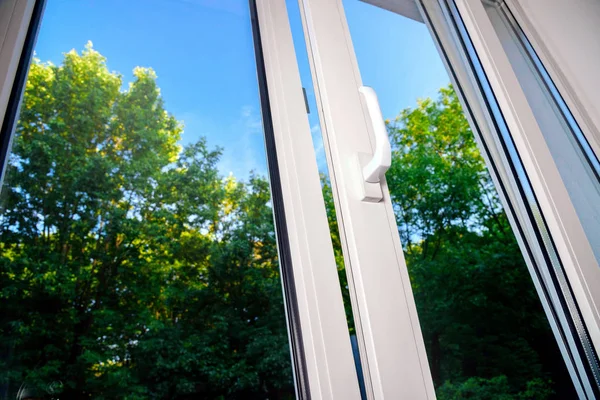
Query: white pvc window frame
558	88
572	244
583	109
391	345
568	144
330	368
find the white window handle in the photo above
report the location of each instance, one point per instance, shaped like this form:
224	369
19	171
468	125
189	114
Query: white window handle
375	169
372	168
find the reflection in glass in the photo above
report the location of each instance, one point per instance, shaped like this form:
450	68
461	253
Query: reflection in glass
485	332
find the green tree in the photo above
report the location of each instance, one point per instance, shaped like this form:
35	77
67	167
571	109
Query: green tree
129	268
484	329
480	315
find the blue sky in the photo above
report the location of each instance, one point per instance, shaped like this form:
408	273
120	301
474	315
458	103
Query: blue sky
203	55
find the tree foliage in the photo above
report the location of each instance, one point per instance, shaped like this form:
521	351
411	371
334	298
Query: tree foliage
481	318
485	332
130	269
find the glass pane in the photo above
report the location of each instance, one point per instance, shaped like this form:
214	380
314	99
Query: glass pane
485	331
137	249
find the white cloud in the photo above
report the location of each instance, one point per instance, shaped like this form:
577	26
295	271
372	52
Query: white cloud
245	151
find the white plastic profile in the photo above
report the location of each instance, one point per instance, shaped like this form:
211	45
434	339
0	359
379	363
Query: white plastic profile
375	169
